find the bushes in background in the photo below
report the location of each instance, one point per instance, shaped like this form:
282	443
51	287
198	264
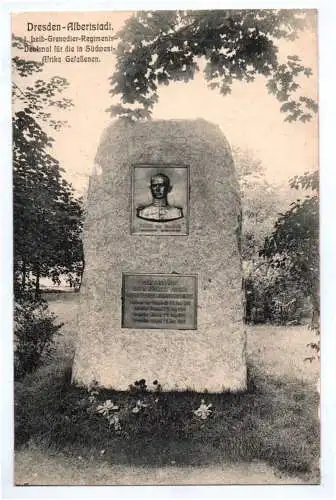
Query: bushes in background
34	330
273	295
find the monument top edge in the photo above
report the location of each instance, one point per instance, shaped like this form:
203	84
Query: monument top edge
161	120
128	124
198	126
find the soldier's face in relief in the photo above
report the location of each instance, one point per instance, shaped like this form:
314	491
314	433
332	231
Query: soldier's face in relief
160	187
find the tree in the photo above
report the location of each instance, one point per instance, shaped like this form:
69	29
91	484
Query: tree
272	294
158	47
294	243
47	215
261	201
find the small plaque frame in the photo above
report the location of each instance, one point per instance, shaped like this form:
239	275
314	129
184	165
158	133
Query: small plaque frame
160	199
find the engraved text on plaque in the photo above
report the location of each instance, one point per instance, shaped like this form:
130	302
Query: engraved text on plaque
159	301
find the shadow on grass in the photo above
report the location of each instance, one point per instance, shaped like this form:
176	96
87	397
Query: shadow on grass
273	421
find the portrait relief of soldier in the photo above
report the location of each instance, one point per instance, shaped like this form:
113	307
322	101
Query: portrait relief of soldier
160	210
160	196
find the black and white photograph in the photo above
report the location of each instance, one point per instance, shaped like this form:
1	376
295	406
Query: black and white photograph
166	260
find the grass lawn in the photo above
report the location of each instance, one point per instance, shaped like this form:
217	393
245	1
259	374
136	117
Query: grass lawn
255	437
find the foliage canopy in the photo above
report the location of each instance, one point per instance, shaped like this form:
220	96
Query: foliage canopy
158	47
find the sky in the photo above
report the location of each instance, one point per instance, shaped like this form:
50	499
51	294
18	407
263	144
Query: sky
249	117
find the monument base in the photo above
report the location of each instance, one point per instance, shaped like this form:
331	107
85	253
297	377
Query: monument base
176	360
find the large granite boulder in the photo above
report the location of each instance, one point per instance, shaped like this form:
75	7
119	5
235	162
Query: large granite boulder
133	239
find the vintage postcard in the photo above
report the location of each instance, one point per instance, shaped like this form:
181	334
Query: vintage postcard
166	247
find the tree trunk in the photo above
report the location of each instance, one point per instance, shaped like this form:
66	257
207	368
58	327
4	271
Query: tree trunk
82	272
37	283
24	276
315	322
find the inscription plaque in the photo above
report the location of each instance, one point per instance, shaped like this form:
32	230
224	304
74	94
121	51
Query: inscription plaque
160	199
159	301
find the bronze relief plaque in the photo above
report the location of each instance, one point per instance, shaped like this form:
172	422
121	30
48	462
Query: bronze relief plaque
166	301
160	199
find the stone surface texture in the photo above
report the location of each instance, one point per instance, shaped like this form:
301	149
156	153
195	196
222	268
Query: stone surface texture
211	357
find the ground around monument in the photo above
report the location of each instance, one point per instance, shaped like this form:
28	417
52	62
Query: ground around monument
34	467
274	427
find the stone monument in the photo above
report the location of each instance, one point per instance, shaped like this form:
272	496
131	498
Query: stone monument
161	297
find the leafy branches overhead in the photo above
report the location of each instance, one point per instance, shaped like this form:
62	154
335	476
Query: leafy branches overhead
158	47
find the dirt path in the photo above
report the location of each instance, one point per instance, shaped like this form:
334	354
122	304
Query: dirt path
34	468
